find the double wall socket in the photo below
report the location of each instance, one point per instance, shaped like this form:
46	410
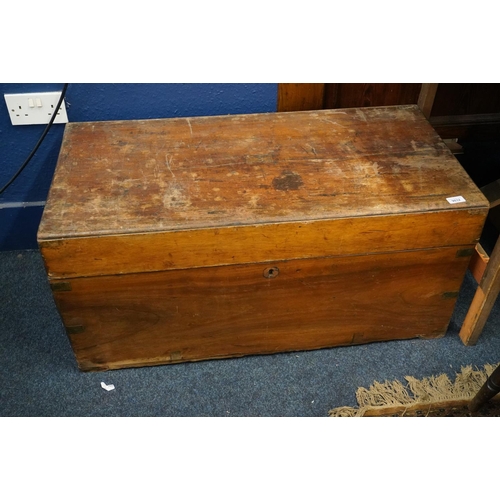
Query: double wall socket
35	109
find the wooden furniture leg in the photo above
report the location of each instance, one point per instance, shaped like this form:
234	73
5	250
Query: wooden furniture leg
490	388
478	262
483	300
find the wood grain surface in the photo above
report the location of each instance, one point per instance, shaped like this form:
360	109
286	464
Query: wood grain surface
199	238
426	98
144	252
478	262
187	315
190	173
484	299
354	95
300	96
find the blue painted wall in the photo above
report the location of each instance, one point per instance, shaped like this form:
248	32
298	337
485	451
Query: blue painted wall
97	102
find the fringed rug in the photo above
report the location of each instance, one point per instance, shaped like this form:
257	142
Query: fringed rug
430	397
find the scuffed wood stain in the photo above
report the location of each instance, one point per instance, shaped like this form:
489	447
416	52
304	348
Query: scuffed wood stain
287	181
162	175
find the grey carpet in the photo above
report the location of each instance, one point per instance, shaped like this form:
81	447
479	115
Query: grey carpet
39	376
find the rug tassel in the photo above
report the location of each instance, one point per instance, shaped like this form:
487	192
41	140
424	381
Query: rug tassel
386	394
428	390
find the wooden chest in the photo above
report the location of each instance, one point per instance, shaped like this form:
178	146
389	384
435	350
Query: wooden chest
196	238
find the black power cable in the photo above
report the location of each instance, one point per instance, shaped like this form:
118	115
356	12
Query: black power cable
45	132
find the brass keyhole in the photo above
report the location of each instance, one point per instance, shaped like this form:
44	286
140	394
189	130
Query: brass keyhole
271	272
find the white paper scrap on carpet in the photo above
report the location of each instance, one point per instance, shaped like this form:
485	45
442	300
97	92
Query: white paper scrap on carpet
109	387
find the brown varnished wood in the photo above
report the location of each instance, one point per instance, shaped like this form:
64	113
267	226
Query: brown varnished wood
464	120
354	95
467	111
478	262
426	98
483	301
450	99
162	175
164	194
466	99
188	315
300	96
131	253
474	130
210	237
477	100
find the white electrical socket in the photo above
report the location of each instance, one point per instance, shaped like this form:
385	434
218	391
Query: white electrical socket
35	109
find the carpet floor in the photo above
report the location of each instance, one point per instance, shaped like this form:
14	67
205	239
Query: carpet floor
39	375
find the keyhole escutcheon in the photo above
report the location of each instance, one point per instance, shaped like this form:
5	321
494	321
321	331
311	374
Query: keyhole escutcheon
271	272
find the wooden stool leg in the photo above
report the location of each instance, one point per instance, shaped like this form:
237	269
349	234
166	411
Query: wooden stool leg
490	388
483	301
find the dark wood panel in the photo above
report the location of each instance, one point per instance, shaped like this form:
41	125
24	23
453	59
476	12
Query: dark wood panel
300	96
472	128
466	99
188	315
352	95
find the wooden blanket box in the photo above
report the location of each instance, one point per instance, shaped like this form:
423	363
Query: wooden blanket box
187	239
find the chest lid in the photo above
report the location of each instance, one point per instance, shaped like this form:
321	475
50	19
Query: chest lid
184	174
